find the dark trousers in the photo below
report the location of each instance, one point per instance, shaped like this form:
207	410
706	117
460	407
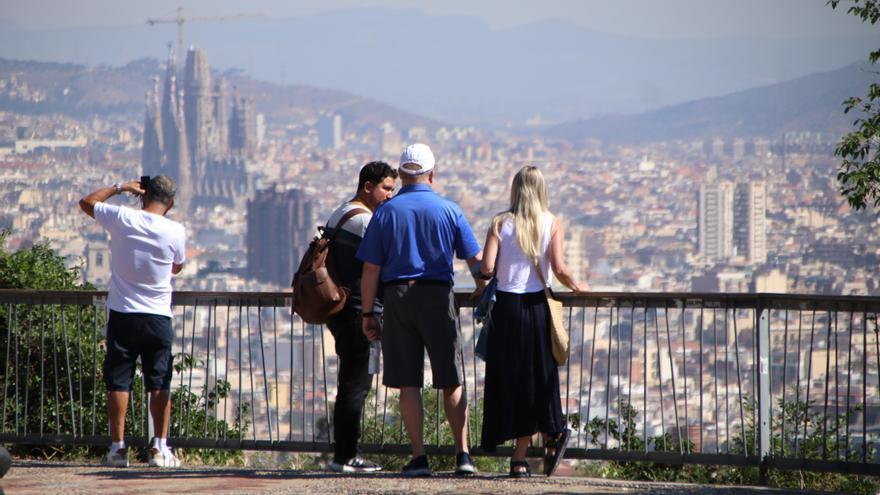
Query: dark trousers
353	381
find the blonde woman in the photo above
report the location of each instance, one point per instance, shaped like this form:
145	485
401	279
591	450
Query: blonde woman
522	380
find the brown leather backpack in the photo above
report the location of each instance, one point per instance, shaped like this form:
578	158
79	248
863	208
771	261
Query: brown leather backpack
316	295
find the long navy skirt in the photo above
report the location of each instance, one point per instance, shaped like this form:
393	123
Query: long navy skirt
522	380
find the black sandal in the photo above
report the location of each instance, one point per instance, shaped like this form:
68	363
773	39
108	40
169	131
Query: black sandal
558	444
515	473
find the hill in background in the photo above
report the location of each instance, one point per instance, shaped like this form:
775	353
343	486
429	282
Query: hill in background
810	103
82	91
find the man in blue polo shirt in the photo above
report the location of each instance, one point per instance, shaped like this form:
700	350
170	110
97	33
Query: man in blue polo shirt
409	246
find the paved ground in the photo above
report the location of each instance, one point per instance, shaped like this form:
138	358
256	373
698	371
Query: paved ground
43	478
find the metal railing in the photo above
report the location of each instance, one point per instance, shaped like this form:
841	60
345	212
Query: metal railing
783	381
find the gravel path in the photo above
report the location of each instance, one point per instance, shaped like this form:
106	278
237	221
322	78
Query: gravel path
43	478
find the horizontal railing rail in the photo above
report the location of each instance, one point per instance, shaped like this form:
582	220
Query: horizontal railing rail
771	380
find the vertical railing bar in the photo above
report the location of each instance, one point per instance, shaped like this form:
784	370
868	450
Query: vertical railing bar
660	377
27	377
69	377
809	372
384	412
6	363
474	417
755	373
581	377
797	389
687	424
275	346
217	387
765	417
645	380
742	416
241	418
619	371
608	375
326	400
865	384
672	370
632	329
726	377
79	366
16	345
263	363
228	392
567	372
178	411
827	383
42	360
251	372
836	385
784	383
206	387
592	356
700	373
95	371
314	382
715	377
192	357
848	384
769	377
876	343
303	363
290	390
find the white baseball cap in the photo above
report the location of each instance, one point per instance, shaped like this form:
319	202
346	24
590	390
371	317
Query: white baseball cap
417	154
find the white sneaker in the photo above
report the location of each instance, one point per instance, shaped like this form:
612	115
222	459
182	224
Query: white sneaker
116	459
163	458
356	464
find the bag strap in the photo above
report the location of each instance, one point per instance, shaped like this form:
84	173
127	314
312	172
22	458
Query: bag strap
541	276
348	216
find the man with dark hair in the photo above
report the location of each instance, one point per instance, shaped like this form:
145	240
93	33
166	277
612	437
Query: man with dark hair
375	186
145	250
409	247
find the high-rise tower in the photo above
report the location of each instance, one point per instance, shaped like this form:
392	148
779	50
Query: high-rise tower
750	219
715	220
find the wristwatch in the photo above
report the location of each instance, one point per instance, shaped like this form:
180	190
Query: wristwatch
118	188
368	314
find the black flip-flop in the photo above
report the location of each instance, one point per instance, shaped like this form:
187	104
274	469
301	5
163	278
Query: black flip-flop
558	444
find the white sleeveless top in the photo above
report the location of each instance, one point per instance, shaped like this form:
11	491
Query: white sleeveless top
514	270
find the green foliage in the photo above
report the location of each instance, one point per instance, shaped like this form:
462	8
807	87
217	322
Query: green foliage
824	439
52	351
37	267
859	172
197	415
52	377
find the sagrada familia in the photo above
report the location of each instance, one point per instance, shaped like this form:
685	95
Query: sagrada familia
190	136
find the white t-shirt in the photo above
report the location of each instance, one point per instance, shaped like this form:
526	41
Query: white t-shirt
514	270
357	224
143	246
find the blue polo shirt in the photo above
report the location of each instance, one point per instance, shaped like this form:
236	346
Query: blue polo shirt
414	235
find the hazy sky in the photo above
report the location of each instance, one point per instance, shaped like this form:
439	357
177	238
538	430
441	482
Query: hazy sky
649	18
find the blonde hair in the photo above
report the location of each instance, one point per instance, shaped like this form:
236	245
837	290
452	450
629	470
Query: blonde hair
528	202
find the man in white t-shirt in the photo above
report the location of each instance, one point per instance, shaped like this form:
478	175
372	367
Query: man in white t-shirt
375	186
145	250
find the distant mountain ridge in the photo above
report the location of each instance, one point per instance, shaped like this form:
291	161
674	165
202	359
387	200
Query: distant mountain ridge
82	91
457	68
809	103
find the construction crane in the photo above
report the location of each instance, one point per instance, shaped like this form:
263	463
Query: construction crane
180	20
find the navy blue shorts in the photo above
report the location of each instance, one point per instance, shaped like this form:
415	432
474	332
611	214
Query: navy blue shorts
130	335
